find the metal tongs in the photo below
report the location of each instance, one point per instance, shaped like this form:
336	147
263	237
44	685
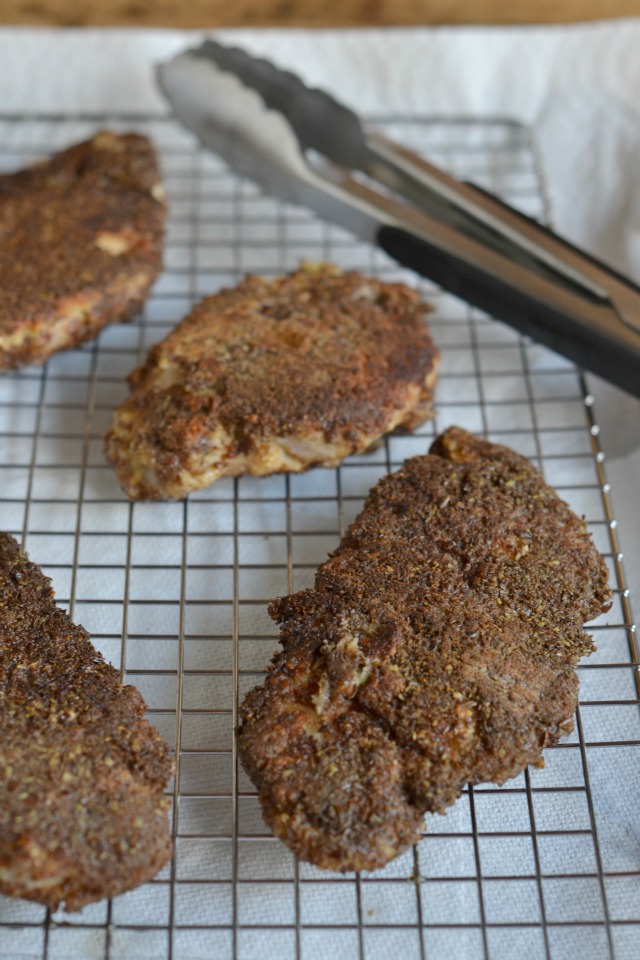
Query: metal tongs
305	147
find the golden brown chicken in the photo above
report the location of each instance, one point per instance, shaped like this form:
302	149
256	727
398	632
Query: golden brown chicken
82	773
274	375
80	245
438	646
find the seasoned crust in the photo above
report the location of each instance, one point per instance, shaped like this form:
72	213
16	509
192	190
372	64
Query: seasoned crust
82	773
437	647
80	244
274	375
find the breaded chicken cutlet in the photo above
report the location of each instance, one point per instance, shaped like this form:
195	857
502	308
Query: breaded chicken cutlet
438	647
80	245
82	773
274	375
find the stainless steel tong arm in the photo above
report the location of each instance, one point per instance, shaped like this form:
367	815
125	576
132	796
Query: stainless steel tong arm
320	123
303	146
233	120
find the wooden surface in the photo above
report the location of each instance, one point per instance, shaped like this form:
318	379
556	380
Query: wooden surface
305	13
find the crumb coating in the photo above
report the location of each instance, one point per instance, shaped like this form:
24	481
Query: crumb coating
82	773
438	647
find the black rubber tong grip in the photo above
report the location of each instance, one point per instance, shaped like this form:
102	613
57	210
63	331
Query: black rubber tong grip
616	357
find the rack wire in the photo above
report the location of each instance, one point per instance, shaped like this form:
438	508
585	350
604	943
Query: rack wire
175	594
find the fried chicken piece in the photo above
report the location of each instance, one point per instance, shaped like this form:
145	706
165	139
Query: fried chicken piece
438	647
80	245
82	773
274	375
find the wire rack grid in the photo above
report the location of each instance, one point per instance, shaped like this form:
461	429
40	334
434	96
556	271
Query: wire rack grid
176	595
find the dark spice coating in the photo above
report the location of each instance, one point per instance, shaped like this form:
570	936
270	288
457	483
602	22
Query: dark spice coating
82	773
273	375
80	244
438	647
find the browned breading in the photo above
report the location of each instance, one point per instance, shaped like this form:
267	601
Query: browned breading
438	646
82	773
274	375
80	245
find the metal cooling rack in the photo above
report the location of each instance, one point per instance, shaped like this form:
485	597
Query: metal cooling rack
176	594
